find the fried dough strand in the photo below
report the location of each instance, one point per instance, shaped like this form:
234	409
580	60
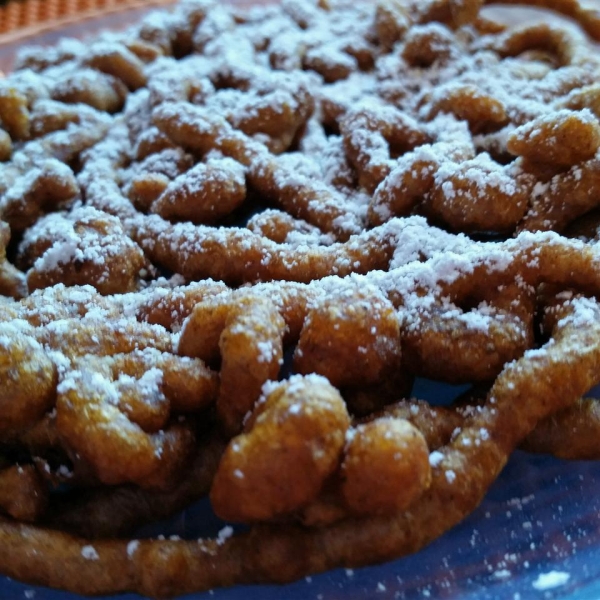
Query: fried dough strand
178	567
118	511
23	494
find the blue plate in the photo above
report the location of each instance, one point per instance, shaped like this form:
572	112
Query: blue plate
535	536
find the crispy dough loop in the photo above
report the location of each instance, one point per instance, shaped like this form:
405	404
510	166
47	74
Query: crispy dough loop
204	194
435	423
120	510
203	328
98	90
65	50
278	115
391	22
237	255
174	36
273	107
475	344
425	45
187	384
385	468
251	354
12	281
40	189
147	180
564	198
144	189
586	97
454	13
562	139
303	197
301	421
194	128
586	16
83	247
564	44
75	337
28	377
90	423
571	433
350	337
48	116
410	181
170	307
468	103
14	112
43	307
246	332
23	494
281	228
479	195
118	61
191	87
372	135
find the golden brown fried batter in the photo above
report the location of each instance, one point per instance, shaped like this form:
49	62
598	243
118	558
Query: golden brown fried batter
301	422
23	494
83	247
28	379
352	337
232	230
385	468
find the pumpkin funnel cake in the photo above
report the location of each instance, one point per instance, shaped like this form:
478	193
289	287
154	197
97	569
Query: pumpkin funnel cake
229	242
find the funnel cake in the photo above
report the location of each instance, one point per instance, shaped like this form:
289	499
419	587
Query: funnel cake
231	239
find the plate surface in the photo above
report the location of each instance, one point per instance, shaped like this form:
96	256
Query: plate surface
535	536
